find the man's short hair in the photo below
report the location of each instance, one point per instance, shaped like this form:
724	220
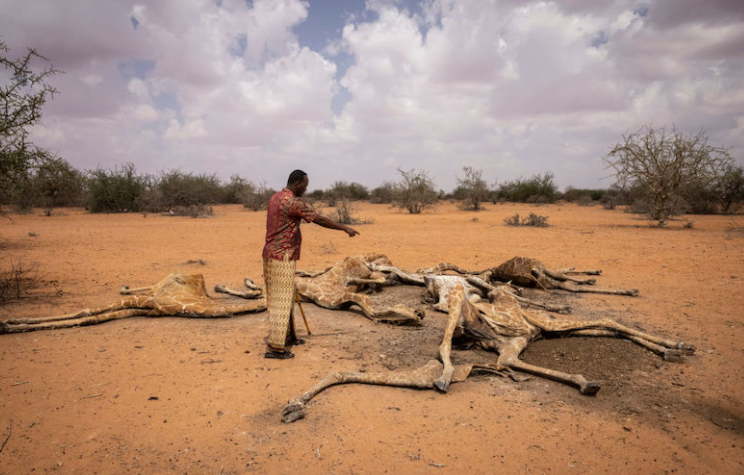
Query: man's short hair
296	177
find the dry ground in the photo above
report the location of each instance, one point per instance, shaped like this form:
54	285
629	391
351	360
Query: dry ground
174	395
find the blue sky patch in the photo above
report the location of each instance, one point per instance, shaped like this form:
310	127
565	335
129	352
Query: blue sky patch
240	43
136	68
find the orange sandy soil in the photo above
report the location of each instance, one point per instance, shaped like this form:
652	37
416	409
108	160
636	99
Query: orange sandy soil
80	399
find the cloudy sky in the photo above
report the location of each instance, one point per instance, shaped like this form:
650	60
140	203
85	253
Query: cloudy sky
353	90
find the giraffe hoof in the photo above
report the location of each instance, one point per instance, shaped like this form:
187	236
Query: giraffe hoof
124	290
250	284
688	349
677	354
3	328
441	385
590	281
219	288
589	388
633	292
293	412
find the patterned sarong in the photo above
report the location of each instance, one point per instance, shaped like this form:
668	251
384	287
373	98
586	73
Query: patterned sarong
280	298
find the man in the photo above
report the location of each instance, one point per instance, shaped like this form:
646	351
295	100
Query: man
282	250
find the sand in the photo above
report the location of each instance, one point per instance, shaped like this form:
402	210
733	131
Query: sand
178	395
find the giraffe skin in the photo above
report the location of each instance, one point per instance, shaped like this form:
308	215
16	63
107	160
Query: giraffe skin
341	285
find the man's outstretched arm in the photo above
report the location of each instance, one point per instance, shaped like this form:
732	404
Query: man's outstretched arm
331	224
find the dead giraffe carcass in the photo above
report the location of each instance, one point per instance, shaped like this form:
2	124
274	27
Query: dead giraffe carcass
499	325
529	272
178	295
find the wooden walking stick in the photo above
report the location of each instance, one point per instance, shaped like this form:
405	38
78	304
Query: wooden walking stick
304	318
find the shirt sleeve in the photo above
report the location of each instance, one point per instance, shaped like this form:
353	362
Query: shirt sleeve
300	209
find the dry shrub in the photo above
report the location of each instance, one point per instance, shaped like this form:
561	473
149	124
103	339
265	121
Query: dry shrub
416	192
329	248
18	282
531	220
256	199
346	213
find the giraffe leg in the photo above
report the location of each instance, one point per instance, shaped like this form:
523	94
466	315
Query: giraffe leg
302	273
509	357
572	287
17	326
128	303
565	277
493	292
669	349
244	294
250	284
456	300
420	378
563	309
406	278
676	353
572	271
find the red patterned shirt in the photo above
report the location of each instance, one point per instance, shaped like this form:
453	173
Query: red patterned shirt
283	225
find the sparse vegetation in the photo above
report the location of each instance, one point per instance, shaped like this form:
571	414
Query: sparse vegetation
256	199
583	196
531	220
730	186
538	189
116	191
661	164
181	190
342	190
329	248
385	193
235	189
18	282
22	98
473	187
345	213
416	191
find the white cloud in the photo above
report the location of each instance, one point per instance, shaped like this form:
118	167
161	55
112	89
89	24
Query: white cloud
510	87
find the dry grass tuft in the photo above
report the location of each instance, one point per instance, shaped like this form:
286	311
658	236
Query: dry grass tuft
531	220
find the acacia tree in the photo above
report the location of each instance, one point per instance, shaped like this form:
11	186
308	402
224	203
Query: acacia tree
474	187
416	191
22	96
662	163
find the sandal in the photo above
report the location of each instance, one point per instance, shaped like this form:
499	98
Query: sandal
298	341
279	355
